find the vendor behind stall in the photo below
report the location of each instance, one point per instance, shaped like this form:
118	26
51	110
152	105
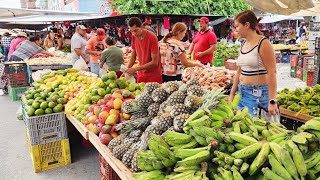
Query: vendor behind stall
28	48
112	56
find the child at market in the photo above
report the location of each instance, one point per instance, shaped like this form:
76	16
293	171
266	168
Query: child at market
173	54
112	57
255	78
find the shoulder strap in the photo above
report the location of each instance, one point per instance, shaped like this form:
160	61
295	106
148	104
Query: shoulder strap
259	44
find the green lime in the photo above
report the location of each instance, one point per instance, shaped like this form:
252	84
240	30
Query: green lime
39	112
48	111
51	104
61	101
57	109
44	105
30	111
108	90
101	91
104	78
95	92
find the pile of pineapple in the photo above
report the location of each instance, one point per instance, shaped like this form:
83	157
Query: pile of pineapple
159	108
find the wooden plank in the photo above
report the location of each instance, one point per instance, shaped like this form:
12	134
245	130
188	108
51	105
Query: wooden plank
123	172
296	116
79	126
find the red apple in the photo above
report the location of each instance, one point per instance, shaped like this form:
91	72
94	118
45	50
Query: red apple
105	138
106	129
101	102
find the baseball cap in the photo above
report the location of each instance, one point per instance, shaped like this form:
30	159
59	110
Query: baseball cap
22	34
204	19
101	32
82	27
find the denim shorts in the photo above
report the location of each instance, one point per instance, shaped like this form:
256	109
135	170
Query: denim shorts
95	68
252	100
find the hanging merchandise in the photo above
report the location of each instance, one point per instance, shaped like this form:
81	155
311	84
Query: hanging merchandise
148	20
166	22
196	24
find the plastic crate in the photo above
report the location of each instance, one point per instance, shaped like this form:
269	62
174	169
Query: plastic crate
50	155
218	62
310	75
285	59
293	71
294	60
15	67
18	79
106	171
299	73
15	93
304	78
290	124
46	128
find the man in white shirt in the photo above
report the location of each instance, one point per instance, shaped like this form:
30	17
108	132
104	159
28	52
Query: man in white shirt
78	44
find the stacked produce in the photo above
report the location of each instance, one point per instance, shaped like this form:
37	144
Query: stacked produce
209	77
281	46
127	55
48	61
225	50
306	101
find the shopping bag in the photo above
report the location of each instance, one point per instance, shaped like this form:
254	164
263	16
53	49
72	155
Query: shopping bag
80	65
129	78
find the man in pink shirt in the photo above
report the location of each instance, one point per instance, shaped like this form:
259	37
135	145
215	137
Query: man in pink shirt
204	44
21	36
94	48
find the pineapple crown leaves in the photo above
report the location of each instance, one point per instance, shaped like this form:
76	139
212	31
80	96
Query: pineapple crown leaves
212	98
128	126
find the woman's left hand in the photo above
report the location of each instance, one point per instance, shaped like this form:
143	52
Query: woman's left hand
273	109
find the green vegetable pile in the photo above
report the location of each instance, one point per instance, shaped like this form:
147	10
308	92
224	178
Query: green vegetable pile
306	101
224	51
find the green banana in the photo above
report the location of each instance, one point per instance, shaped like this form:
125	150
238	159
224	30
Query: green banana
299	161
203	121
231	148
243	139
299	138
184	153
236	175
273	137
217	124
216	117
227	167
220	113
239	146
236	127
235	102
160	140
157	165
191	144
260	128
244	128
205	131
201	140
183	175
195	159
199	113
226	175
244	168
234	167
222	155
238	162
265	133
186	168
229	160
312	157
271	175
148	175
174	138
279	139
315	132
218	177
313	162
227	110
288	163
260	159
312	124
248	151
278	168
153	146
248	122
303	148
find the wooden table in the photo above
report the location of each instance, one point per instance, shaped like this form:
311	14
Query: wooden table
294	115
123	172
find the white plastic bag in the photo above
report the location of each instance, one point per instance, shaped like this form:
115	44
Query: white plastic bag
129	78
80	64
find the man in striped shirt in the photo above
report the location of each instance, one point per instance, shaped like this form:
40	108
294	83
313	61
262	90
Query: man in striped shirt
5	41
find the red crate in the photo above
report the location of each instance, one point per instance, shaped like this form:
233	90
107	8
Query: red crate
299	73
18	79
310	78
106	171
307	61
294	60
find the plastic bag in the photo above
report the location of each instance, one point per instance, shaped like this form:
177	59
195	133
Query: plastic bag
270	118
129	78
80	64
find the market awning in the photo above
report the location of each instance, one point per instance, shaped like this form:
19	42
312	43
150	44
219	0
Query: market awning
288	7
277	18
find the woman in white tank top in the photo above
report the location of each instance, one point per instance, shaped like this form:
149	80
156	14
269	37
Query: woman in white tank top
255	79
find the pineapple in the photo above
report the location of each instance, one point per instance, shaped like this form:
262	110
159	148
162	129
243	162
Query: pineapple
120	150
128	156
129	140
131	106
179	121
159	95
176	98
178	109
192	82
150	87
183	88
134	162
171	86
195	90
193	102
155	120
153	109
139	115
144	100
135	133
115	142
162	107
165	122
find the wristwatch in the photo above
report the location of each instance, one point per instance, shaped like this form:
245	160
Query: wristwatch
273	101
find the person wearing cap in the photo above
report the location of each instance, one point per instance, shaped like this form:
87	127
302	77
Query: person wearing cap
78	45
145	47
21	36
5	41
28	48
204	44
49	41
94	48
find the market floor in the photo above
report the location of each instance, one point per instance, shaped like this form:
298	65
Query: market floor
16	161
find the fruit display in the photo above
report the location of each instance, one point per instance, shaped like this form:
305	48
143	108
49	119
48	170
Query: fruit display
127	55
281	46
209	77
306	101
49	60
225	50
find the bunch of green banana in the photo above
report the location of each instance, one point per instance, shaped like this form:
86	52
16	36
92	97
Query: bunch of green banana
147	161
151	175
222	116
179	140
188	174
203	135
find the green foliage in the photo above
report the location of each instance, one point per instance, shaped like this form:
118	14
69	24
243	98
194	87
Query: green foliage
217	7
